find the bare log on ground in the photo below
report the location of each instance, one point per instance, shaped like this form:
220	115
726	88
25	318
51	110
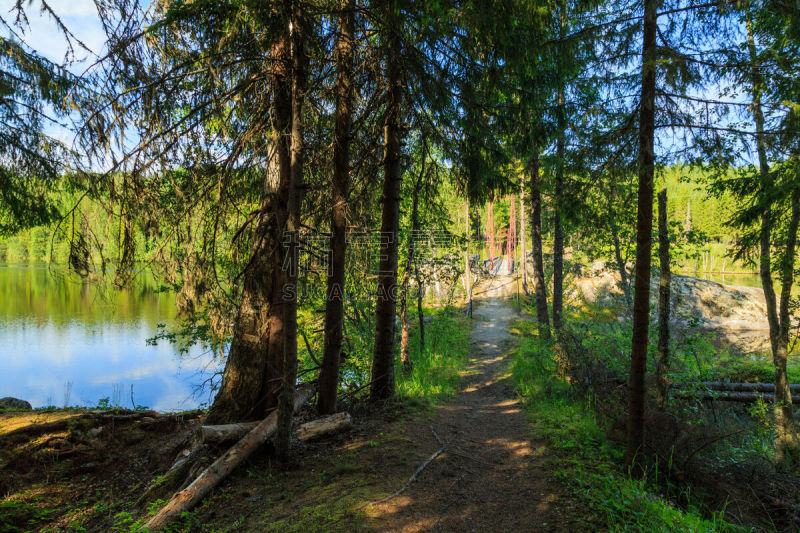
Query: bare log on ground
316	429
186	499
735	387
177	476
225	432
725	396
322	427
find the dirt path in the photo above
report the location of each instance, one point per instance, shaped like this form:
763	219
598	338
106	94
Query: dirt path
488	478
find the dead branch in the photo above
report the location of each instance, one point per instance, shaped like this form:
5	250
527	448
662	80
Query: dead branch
413	477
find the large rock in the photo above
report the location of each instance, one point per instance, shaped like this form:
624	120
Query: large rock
598	283
15	404
737	315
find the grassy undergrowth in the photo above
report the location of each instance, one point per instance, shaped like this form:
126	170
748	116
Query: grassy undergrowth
437	370
582	457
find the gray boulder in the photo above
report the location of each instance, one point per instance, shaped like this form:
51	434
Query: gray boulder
14	403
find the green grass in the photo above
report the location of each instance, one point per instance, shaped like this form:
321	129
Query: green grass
437	370
581	456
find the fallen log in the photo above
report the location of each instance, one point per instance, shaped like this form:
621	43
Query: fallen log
225	432
725	396
186	499
310	431
735	387
177	476
322	427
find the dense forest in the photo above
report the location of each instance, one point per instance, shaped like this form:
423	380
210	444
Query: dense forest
328	187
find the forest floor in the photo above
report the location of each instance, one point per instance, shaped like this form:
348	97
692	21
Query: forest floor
491	473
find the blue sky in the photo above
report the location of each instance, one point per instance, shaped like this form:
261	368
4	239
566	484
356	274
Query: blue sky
42	34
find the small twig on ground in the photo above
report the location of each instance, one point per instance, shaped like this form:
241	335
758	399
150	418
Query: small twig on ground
437	436
413	477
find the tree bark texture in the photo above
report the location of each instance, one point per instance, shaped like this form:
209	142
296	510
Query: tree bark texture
382	386
644	227
291	238
334	301
662	365
253	369
539	286
786	443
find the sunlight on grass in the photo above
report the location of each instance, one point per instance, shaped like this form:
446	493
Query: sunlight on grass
437	370
581	456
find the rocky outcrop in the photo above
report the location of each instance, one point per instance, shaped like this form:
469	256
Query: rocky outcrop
14	404
737	316
597	284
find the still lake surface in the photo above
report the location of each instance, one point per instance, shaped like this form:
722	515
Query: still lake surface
68	341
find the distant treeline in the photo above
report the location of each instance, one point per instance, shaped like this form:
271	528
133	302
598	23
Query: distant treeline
699	220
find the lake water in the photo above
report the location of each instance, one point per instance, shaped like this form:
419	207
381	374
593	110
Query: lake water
741	280
64	340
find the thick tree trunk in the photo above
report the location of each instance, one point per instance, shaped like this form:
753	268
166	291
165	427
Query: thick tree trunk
735	387
186	499
334	301
644	227
253	370
325	426
291	237
663	301
382	386
725	396
539	286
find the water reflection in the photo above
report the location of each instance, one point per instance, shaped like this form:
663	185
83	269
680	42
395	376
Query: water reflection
67	340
